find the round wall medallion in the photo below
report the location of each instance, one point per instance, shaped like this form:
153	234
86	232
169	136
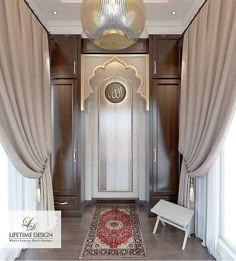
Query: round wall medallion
115	92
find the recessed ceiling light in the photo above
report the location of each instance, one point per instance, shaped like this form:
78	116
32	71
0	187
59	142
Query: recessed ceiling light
173	12
55	12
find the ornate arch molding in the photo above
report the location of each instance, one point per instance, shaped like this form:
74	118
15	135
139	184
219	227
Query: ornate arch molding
87	86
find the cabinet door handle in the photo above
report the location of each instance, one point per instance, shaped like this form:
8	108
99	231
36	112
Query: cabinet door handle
155	67
74	155
75	67
155	155
61	203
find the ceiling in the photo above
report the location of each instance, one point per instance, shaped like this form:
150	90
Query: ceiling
159	17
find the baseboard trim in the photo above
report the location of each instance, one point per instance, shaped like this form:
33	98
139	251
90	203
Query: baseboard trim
114	201
94	201
141	203
224	252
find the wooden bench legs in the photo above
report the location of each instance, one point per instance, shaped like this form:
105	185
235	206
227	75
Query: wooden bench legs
186	230
187	234
156	225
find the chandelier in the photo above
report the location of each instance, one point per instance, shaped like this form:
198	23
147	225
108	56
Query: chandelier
113	24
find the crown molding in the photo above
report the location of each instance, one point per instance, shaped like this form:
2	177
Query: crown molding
145	1
193	9
38	12
152	27
64	27
165	27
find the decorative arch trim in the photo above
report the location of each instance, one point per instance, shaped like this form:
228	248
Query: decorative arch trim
142	90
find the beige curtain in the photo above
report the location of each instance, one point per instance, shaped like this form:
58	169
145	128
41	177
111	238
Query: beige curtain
25	129
208	91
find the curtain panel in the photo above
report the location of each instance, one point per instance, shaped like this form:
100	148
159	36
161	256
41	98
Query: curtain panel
25	123
207	208
208	89
23	198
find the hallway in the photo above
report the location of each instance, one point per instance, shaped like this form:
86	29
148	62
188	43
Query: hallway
165	245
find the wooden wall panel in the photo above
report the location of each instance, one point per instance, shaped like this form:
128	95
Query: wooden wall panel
63	56
165	159
63	95
165	56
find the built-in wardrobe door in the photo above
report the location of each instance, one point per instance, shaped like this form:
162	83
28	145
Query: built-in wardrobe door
165	56
64	161
164	160
64	56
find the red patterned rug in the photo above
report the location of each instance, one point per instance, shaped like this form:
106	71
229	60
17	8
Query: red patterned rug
114	233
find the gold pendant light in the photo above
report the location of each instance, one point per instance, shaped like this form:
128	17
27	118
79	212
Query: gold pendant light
113	24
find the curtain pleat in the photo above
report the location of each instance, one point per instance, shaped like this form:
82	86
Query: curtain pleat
208	89
207	208
25	122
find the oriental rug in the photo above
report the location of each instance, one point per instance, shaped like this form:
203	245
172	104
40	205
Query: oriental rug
114	233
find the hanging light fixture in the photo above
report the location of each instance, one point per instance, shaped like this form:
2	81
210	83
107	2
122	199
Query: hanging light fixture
113	24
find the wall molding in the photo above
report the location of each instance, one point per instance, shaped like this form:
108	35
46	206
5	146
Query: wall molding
168	27
152	27
87	88
64	27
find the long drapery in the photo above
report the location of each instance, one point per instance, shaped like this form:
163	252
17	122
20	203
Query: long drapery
25	123
208	89
207	208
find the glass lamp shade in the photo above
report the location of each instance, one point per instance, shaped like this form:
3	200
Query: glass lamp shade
113	24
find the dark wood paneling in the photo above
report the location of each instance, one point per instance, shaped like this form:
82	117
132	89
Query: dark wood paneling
140	47
165	58
164	139
63	93
70	206
66	183
63	56
66	203
65	53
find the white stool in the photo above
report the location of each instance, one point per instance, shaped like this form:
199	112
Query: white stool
174	215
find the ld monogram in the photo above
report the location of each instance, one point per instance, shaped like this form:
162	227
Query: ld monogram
28	223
